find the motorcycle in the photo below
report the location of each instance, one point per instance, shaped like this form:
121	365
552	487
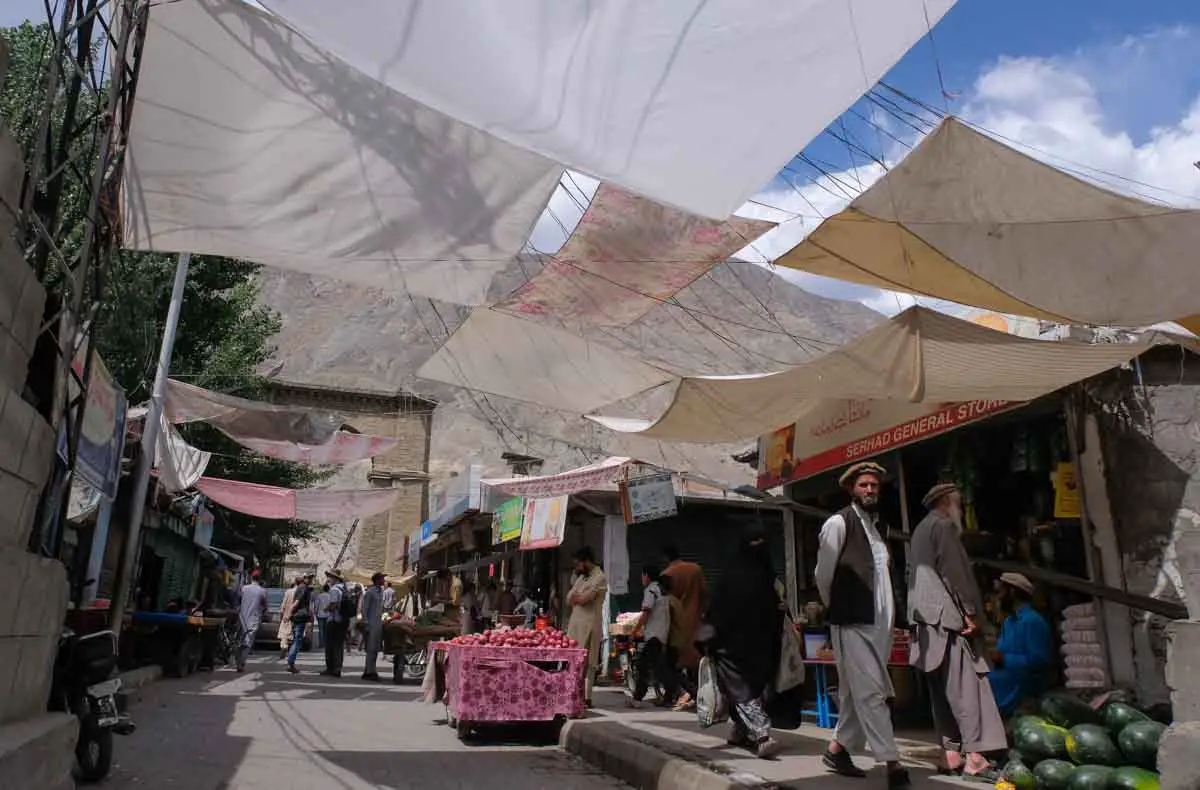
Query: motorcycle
83	685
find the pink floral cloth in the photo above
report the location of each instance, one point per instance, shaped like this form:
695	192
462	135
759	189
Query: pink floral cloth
497	684
627	255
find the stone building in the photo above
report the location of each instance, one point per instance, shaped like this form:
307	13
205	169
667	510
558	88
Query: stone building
34	745
378	542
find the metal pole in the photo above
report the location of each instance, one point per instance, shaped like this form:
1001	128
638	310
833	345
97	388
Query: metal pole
150	431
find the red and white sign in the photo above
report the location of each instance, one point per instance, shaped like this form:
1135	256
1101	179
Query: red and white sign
845	431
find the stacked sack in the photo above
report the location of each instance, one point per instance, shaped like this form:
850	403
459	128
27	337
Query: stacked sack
1082	652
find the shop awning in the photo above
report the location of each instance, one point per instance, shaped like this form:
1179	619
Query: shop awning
695	104
969	219
575	481
250	141
920	356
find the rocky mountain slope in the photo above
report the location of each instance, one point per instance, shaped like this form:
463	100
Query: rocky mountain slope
739	318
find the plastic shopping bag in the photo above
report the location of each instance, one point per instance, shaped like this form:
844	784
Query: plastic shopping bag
791	658
711	707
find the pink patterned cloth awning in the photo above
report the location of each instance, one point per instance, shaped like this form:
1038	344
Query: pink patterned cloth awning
343	448
310	504
626	256
585	478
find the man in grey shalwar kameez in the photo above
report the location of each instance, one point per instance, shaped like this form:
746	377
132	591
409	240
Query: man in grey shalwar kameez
372	615
855	583
943	604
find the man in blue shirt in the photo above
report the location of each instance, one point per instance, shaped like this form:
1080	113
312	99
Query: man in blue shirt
1023	652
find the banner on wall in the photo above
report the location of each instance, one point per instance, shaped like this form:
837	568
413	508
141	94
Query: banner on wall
414	549
841	432
102	435
543	523
648	498
506	520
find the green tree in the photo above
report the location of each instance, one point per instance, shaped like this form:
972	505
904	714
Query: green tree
224	335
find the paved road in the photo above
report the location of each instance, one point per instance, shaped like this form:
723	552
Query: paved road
267	730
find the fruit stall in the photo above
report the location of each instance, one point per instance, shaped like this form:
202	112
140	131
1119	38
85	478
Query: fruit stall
511	676
1074	745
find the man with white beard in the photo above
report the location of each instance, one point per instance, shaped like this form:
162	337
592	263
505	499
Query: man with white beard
944	604
856	585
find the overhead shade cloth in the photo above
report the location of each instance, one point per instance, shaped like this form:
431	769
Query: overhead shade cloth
574	481
626	255
918	356
966	218
180	466
248	141
242	419
344	448
695	103
504	355
309	504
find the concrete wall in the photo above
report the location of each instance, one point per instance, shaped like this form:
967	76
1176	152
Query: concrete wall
1149	425
34	745
378	542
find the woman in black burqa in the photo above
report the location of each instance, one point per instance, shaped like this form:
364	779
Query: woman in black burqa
746	615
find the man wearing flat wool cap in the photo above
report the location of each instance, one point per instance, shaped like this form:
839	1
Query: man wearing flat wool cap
854	579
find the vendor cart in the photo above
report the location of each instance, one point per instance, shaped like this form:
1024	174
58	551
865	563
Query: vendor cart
179	642
510	685
408	645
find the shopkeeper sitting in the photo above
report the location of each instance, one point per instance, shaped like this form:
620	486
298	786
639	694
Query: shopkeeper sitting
1023	652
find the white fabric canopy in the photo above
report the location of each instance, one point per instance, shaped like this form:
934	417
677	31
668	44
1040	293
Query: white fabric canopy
504	355
344	448
966	218
918	356
248	141
180	466
241	419
695	103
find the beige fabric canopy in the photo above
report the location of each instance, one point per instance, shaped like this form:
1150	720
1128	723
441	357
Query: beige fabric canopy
966	218
918	356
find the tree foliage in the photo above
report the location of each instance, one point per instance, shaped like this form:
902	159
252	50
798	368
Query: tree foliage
224	334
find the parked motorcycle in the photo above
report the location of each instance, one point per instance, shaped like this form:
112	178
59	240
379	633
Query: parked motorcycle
84	685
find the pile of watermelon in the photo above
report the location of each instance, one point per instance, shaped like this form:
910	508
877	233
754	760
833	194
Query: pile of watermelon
1071	746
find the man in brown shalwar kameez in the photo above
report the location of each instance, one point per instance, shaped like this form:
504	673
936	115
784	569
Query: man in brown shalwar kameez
944	604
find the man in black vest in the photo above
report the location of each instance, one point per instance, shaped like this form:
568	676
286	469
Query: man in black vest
855	584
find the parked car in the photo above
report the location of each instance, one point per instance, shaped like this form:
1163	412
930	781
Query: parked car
268	629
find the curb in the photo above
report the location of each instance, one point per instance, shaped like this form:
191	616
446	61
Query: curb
611	748
133	681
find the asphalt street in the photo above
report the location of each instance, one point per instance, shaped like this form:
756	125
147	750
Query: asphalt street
267	729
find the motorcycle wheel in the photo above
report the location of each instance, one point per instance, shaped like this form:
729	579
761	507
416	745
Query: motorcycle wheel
93	752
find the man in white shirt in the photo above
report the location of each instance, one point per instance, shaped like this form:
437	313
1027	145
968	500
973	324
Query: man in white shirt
250	614
853	578
654	625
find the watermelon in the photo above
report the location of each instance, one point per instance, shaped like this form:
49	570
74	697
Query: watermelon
1067	711
1021	722
1139	742
1038	742
1118	715
1090	777
1053	774
1090	744
1132	778
1019	775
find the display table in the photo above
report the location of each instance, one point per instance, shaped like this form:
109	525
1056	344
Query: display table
494	685
824	711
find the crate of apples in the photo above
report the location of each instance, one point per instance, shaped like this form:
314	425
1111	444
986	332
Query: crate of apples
521	637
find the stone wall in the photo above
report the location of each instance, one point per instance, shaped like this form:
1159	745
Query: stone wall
378	543
1149	420
33	590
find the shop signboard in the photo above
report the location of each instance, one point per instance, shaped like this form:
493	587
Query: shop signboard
426	533
102	435
506	520
543	523
1067	502
841	432
649	497
414	549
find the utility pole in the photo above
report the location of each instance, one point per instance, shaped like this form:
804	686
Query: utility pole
150	431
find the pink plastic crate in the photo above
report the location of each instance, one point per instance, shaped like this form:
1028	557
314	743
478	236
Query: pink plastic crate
499	684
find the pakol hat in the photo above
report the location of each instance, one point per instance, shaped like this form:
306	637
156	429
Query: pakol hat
851	475
937	492
1018	580
335	574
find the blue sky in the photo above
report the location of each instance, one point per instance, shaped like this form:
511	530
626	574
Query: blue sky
1106	85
